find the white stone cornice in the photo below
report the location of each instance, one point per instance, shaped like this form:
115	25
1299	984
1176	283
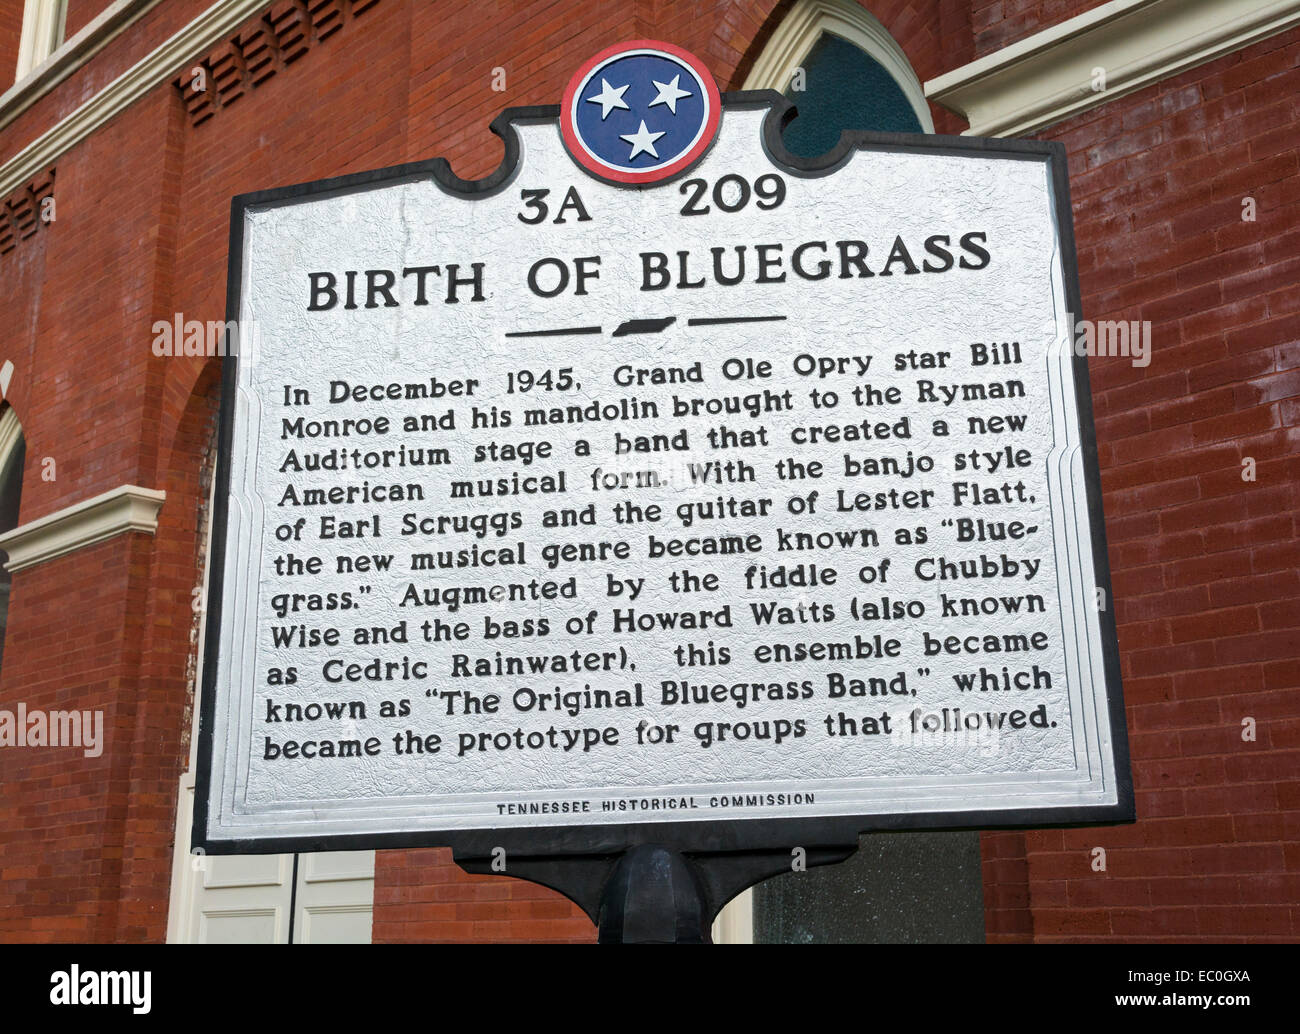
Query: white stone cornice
195	39
36	82
119	510
1050	76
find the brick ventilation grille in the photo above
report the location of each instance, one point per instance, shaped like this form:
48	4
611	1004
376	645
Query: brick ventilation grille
267	45
20	213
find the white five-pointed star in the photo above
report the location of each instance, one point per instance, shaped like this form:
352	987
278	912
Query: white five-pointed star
642	141
609	99
668	94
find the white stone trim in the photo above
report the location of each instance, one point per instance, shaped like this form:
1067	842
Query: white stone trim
34	81
42	32
735	923
204	32
11	430
803	26
185	867
122	509
1048	77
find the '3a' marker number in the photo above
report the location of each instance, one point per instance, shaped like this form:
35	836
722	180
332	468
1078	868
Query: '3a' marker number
535	200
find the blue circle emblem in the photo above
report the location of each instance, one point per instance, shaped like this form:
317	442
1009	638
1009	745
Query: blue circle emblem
640	112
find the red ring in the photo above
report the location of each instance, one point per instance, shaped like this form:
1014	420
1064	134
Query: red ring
568	123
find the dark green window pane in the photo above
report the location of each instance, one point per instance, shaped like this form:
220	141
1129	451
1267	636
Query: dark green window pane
845	89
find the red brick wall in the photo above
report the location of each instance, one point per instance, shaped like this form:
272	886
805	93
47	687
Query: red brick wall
1207	591
159	23
61	849
86	843
1204	564
80	14
425	896
998	23
11	28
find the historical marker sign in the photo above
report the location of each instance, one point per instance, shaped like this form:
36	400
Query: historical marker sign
661	484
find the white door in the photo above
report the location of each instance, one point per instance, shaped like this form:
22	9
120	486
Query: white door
323	898
335	898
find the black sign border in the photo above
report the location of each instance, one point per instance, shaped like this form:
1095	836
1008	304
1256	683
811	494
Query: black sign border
712	835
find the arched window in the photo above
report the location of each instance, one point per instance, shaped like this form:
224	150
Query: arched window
13	450
842	70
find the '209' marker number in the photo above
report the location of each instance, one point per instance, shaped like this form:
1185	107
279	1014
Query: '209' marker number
769	190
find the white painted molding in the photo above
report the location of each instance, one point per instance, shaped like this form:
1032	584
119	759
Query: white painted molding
11	430
204	32
33	83
1048	77
122	509
735	923
42	32
803	26
184	867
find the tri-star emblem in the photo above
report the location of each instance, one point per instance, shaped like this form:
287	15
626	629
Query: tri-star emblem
640	112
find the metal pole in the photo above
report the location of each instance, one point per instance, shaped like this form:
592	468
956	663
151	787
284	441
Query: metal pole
653	897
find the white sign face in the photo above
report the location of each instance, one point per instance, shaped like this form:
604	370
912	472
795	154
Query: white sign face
757	494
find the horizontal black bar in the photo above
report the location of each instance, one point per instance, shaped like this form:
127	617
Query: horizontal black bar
554	333
713	321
